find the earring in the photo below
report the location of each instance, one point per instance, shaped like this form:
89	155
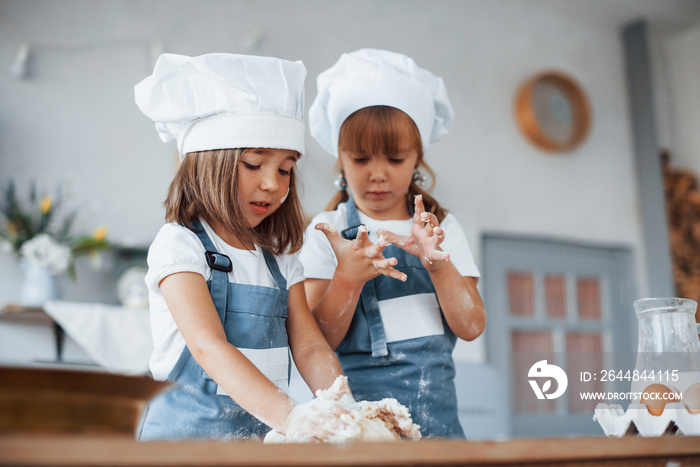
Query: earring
340	183
284	198
419	178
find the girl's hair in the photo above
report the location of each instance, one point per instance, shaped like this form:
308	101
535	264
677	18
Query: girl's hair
381	129
205	186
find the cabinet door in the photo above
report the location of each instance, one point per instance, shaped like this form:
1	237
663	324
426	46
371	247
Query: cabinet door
569	305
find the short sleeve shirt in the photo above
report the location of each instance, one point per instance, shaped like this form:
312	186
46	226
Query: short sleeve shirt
178	249
320	262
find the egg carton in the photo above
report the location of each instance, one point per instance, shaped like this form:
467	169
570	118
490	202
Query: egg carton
636	420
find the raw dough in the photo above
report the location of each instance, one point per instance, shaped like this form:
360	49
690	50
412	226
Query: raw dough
384	420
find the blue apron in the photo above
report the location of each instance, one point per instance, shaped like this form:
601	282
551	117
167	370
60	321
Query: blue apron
254	320
418	372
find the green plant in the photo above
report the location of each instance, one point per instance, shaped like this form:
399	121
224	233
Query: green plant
36	229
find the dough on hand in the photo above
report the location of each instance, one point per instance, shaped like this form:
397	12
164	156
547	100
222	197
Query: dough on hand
384	420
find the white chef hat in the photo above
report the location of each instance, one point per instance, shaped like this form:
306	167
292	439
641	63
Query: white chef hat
224	101
370	77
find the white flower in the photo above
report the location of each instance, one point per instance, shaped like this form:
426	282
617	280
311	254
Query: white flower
46	251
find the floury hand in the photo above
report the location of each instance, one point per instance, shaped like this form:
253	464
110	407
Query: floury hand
425	239
360	260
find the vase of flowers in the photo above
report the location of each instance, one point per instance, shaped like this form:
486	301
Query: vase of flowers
39	284
40	234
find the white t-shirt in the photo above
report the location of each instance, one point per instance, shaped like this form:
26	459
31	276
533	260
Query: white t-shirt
320	262
178	249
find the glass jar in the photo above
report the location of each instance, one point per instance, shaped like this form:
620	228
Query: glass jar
668	349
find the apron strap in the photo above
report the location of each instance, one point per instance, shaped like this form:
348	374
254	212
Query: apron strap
220	266
369	293
374	320
280	280
353	220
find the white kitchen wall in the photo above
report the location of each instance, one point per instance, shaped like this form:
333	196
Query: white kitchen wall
73	117
681	68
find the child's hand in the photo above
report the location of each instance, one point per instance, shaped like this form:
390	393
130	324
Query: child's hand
425	239
316	420
360	260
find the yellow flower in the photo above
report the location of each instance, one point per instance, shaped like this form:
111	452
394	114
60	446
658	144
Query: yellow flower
100	233
11	228
45	205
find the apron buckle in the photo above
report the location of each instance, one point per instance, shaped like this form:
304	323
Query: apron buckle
351	232
218	261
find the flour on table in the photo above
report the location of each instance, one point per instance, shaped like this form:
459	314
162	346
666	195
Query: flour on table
384	420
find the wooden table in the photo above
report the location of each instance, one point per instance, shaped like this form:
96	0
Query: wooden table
93	450
25	315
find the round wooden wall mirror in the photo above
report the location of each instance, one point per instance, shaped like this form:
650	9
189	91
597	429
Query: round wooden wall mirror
553	112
